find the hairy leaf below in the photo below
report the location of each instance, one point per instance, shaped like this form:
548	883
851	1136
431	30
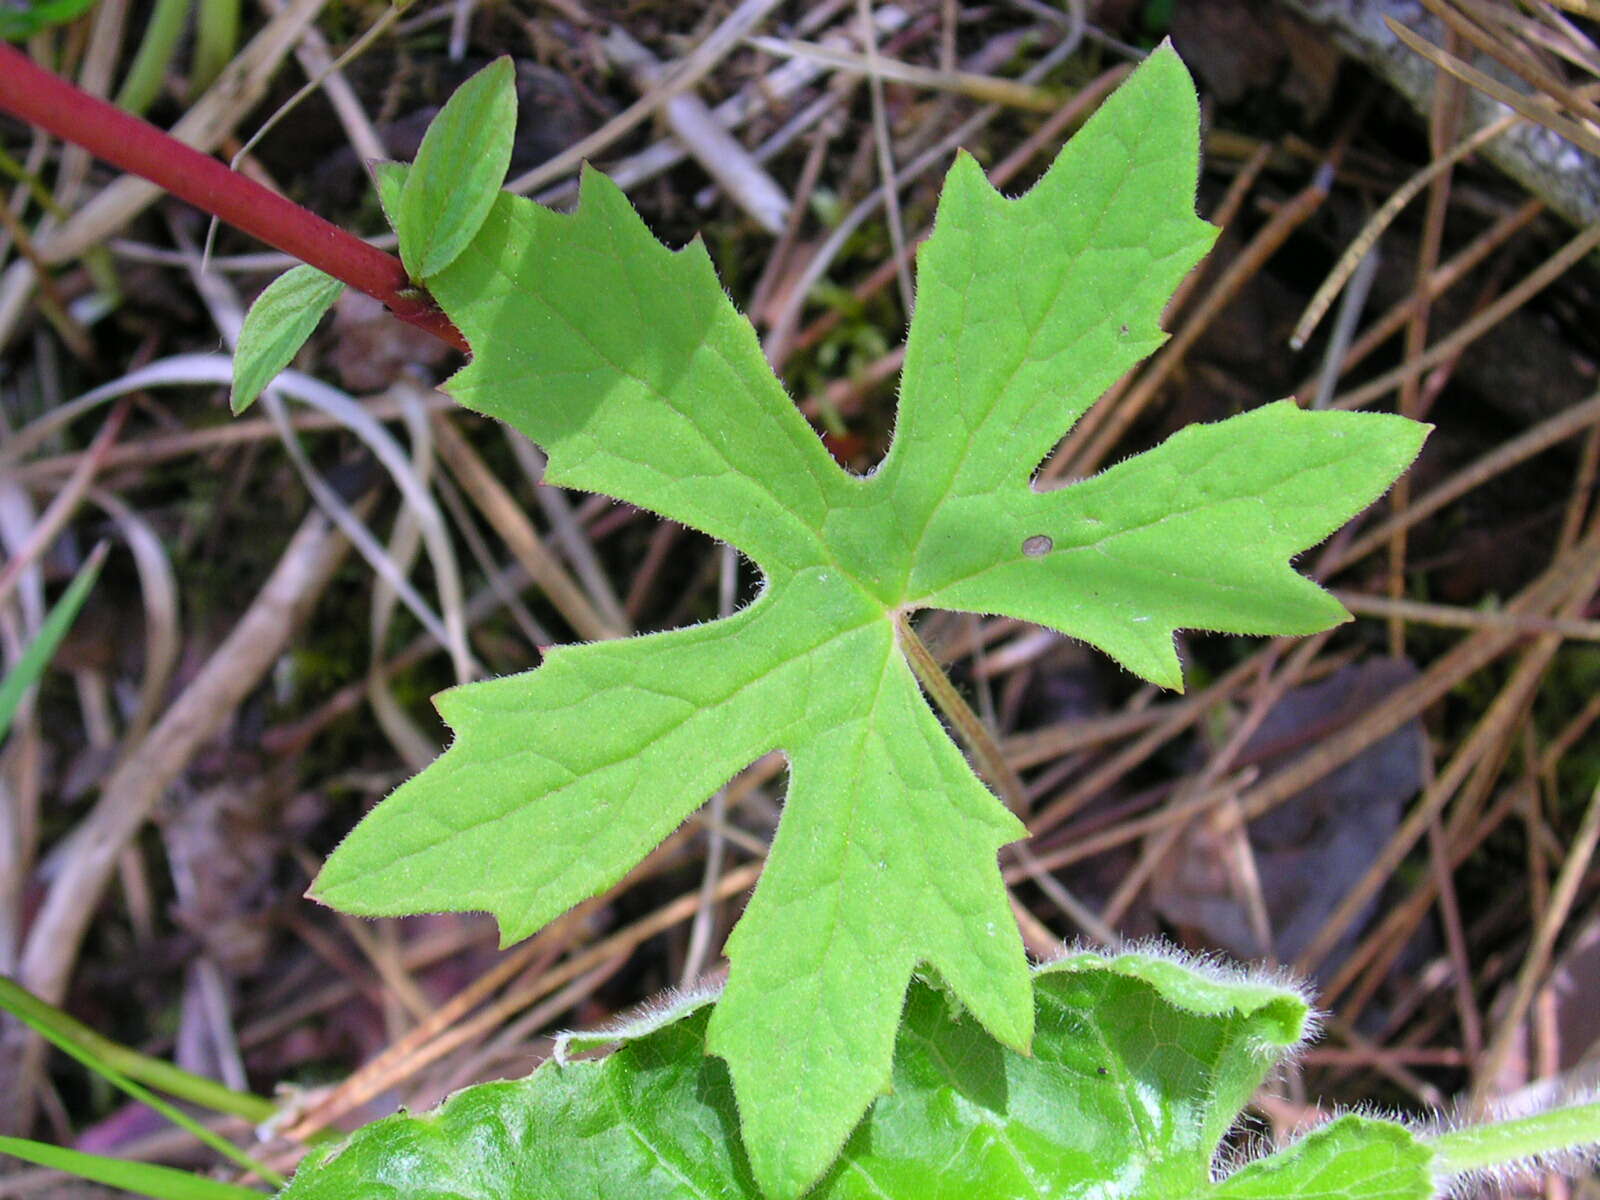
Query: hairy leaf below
628	364
1139	1068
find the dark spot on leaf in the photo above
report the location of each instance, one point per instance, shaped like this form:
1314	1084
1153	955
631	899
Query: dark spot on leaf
1036	545
1101	1071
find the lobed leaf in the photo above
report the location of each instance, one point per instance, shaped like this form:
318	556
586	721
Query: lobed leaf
629	365
1139	1067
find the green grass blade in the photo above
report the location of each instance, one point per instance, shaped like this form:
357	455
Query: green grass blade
42	649
216	37
142	1094
161	33
143	1179
156	1072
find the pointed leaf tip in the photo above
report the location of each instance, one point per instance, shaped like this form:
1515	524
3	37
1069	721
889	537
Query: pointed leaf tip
389	181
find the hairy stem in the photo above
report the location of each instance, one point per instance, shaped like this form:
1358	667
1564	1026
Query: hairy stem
1505	1143
55	106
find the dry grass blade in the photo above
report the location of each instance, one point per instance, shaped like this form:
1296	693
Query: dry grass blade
1363	242
1448	347
885	153
704	137
1570	582
64	503
161	448
448	1029
1578	134
506	517
780	342
1439	282
1449	616
1549	432
158	587
1480	648
1547	84
683	75
1579	852
989	89
568	532
208	702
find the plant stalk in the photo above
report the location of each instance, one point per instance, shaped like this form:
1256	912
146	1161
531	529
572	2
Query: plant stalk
1574	1129
35	95
991	763
969	727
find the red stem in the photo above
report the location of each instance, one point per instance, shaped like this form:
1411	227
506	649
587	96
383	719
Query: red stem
55	106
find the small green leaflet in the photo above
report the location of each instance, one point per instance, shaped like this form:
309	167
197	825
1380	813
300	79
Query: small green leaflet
21	19
275	328
1139	1068
460	166
628	364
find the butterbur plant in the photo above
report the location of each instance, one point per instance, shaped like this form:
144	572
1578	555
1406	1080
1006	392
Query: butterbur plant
881	1032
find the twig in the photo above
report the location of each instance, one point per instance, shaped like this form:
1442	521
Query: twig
992	765
683	76
130	794
1562	897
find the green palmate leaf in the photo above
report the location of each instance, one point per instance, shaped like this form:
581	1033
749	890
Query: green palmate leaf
628	364
1139	1069
459	168
275	328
